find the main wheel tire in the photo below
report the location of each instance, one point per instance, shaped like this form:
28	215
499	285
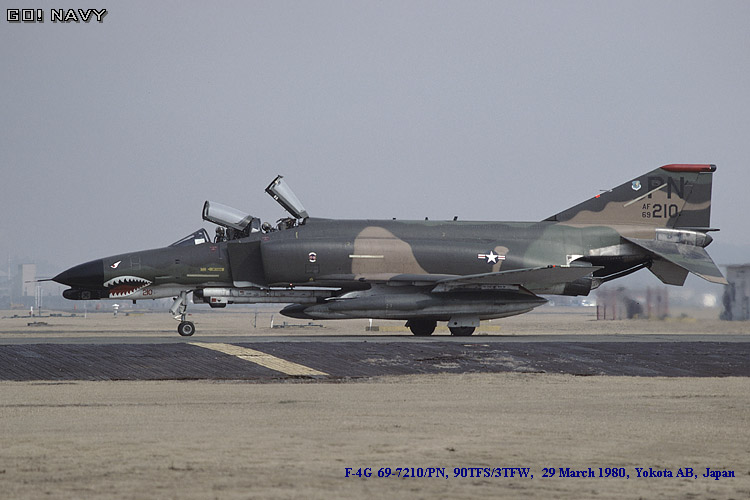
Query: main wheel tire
186	328
461	331
421	327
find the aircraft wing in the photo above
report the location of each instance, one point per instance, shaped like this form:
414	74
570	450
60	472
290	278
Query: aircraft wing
534	279
686	258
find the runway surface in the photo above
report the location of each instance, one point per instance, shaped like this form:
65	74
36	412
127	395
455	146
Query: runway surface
341	357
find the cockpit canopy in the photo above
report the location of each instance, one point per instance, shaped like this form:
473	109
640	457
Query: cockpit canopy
282	193
235	224
196	238
229	217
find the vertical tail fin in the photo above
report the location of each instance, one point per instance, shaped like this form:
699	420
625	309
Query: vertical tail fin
673	196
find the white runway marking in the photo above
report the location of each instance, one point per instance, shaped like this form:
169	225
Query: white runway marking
262	359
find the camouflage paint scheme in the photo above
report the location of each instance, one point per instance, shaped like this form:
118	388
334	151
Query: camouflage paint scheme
428	271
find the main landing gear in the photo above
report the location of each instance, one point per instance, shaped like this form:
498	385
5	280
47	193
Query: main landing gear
426	327
179	311
461	331
421	327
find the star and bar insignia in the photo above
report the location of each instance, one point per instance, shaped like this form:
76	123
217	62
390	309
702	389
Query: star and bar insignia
491	257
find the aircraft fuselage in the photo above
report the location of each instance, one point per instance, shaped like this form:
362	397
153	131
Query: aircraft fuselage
421	271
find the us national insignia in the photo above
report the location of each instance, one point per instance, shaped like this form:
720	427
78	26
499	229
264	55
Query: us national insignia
636	185
491	257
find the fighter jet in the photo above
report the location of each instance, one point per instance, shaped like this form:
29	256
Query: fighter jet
422	272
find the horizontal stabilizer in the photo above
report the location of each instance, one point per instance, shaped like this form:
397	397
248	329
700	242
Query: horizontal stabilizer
691	258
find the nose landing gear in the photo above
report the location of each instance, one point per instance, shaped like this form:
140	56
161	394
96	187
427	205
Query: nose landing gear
186	328
179	311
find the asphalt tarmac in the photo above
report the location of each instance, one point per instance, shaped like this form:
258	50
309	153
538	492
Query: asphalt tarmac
331	358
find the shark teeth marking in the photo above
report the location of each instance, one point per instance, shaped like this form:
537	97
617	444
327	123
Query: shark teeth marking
123	286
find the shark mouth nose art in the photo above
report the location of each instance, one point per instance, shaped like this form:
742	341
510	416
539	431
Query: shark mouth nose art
125	285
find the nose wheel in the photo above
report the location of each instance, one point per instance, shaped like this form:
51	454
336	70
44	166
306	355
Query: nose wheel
186	328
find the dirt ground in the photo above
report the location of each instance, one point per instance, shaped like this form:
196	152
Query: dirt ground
295	440
210	439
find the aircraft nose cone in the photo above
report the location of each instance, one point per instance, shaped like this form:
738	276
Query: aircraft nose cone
90	274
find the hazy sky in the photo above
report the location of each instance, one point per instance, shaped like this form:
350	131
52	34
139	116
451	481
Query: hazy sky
112	135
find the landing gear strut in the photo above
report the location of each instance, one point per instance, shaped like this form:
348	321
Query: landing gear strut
179	311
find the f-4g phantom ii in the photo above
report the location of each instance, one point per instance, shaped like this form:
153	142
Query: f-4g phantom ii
423	272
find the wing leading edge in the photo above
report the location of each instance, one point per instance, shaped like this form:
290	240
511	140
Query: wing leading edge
536	279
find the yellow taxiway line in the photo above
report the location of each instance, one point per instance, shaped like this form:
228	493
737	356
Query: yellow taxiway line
262	359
